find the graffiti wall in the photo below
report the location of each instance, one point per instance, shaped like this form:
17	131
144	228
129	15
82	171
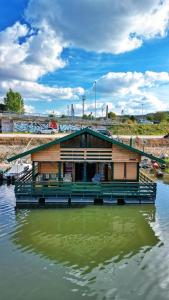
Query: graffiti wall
35	127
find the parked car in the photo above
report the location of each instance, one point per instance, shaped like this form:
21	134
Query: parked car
166	136
104	132
48	130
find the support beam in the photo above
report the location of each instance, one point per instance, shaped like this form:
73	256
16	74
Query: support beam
138	172
112	170
59	170
33	171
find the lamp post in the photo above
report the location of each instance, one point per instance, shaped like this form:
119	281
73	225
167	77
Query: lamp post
142	110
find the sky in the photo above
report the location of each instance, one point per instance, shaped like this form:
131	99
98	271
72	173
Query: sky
55	51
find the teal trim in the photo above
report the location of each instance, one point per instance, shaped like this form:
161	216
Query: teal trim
112	170
138	171
83	189
93	133
59	171
33	171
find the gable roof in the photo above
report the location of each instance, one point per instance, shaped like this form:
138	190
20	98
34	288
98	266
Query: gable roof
80	132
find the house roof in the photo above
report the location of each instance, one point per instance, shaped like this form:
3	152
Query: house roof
80	132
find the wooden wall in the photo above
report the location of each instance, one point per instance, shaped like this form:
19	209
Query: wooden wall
125	171
48	168
51	153
124	155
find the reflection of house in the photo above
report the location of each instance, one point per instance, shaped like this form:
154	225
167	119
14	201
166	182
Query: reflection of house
88	236
84	165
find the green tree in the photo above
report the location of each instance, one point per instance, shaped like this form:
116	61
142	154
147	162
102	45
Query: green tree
2	107
160	116
112	115
14	102
132	118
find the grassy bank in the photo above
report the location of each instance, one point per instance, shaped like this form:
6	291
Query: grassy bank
140	129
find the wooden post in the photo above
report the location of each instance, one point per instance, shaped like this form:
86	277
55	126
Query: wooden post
138	171
33	171
59	171
112	170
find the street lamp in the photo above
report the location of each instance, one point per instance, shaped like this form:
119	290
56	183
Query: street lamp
142	110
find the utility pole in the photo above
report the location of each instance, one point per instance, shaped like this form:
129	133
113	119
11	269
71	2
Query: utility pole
142	110
83	105
95	97
72	112
68	112
107	111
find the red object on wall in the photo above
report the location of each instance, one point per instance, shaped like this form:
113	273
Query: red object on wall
53	124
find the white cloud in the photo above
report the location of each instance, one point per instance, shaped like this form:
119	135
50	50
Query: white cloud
35	91
29	109
129	90
130	83
105	26
25	56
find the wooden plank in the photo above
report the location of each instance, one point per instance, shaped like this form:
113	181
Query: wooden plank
49	154
131	171
118	171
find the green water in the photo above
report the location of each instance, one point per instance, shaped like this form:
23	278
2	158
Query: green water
92	252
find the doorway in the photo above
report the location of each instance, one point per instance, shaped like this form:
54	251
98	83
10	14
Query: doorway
91	171
79	171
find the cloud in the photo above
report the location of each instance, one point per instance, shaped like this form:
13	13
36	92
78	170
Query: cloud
130	90
104	26
35	91
130	83
29	109
26	55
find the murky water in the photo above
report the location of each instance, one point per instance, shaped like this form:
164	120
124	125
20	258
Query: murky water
92	252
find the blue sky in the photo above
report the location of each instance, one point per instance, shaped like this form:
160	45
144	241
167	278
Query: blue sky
52	53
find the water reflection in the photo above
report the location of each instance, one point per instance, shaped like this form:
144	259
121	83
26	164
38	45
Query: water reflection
86	237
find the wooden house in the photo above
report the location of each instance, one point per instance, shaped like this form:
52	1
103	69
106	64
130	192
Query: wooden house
84	166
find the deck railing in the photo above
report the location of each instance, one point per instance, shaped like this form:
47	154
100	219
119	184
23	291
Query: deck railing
144	177
84	189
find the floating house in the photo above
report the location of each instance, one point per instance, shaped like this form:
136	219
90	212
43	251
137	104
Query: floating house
84	166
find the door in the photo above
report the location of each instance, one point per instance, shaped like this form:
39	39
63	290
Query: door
79	171
91	171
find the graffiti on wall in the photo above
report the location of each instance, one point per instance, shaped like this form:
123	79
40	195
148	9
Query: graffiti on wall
36	127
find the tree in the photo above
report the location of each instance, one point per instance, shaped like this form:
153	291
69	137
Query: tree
132	118
14	102
2	107
160	116
112	115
